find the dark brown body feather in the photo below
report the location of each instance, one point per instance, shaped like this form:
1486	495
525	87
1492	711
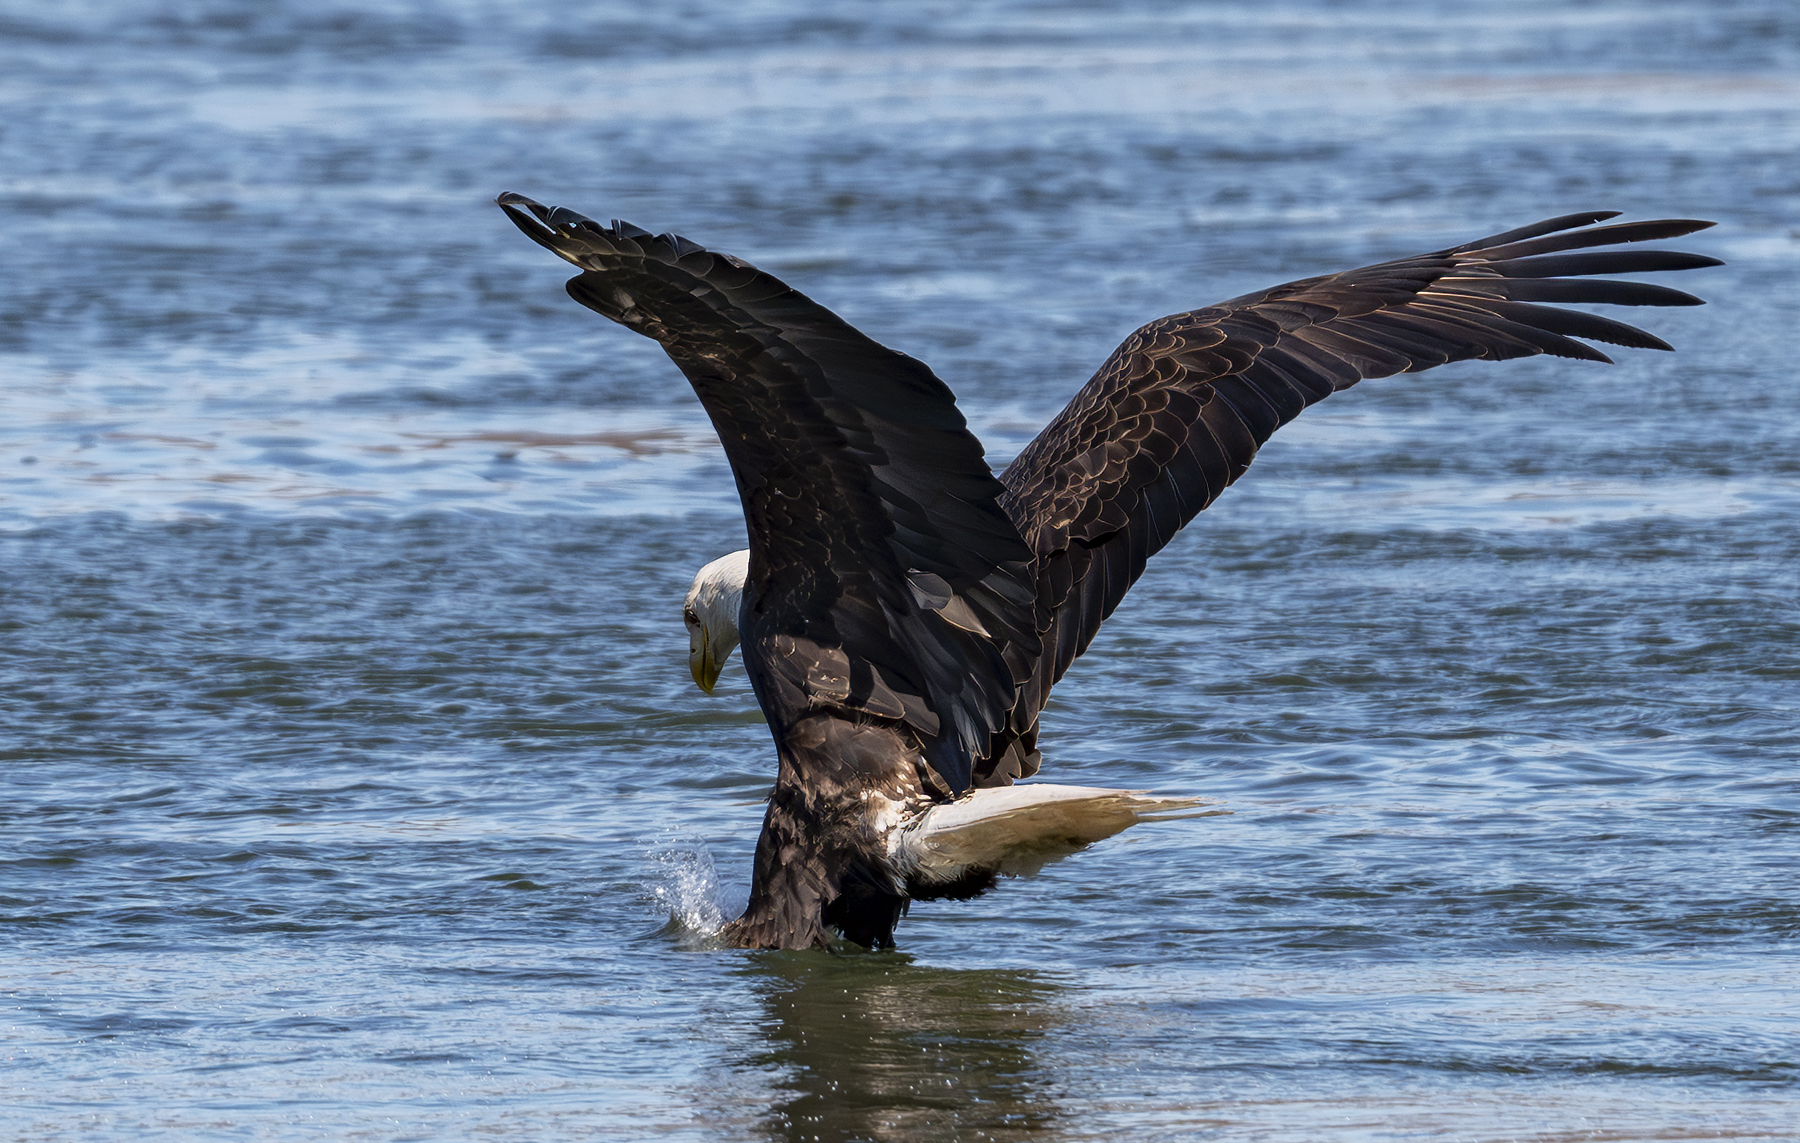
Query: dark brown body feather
906	612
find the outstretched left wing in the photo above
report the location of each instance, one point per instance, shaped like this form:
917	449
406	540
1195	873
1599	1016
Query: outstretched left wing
1180	409
885	579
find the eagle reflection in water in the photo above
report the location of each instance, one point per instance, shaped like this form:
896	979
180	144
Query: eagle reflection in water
881	1048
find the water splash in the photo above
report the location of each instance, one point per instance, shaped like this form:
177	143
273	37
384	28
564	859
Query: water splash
685	885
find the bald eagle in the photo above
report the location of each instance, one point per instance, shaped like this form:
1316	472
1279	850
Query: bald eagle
904	612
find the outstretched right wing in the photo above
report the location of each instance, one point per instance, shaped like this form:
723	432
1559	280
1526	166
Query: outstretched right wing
1178	411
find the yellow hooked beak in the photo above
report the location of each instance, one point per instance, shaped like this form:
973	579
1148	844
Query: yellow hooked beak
700	658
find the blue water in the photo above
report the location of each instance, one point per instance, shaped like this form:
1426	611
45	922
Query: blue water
353	784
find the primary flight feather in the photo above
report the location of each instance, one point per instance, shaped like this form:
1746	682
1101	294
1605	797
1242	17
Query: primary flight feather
903	612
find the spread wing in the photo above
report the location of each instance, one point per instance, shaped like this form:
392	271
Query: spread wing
885	579
1178	411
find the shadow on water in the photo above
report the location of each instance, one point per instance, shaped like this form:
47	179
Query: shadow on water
875	1047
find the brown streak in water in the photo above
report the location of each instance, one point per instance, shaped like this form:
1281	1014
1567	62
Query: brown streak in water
306	492
188	441
642	443
1615	82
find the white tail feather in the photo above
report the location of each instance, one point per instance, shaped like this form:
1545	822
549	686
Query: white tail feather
1017	830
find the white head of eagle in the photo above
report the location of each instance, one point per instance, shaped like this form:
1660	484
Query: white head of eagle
711	615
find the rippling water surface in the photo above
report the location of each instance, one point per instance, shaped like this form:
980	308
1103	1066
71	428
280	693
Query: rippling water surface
354	787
